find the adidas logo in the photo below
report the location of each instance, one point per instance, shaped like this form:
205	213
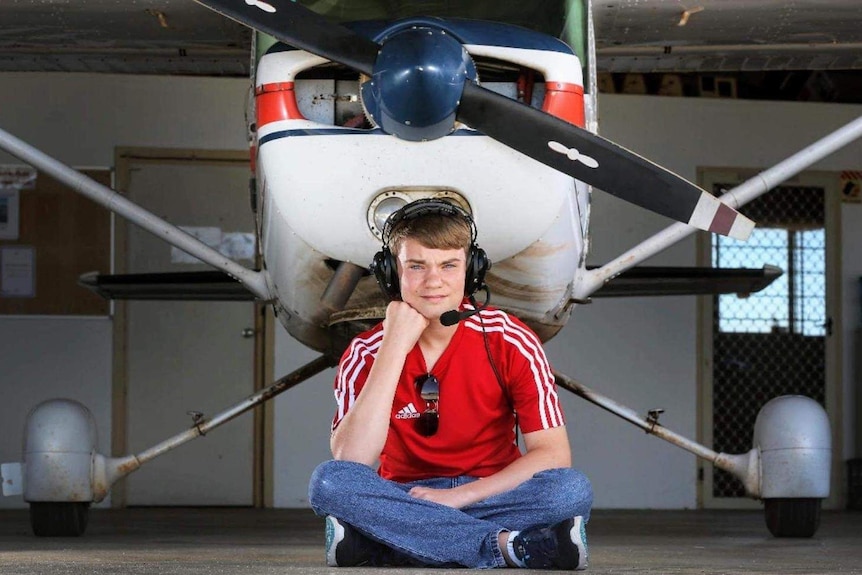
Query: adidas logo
407	412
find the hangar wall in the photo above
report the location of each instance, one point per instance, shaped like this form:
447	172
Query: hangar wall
640	351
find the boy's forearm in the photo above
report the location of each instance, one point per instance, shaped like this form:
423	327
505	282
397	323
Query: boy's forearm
362	433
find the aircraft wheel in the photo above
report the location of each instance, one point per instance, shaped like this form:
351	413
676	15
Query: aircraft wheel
787	517
59	518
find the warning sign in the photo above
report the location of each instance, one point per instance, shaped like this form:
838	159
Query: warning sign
850	185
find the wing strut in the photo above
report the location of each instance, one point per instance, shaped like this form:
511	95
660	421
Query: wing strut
111	469
254	281
738	465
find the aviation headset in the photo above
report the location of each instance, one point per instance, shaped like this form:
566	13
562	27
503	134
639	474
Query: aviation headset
385	264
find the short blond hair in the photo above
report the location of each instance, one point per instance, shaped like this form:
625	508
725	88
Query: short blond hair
436	231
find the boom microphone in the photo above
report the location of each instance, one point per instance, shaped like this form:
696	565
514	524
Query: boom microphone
454	316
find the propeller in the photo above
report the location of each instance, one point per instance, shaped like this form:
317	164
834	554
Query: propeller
422	81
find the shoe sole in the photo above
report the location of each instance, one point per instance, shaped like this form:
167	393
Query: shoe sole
334	536
578	535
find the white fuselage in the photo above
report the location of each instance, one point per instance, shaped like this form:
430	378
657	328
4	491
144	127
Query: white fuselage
317	182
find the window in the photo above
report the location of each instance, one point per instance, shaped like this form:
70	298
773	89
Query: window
794	303
790	234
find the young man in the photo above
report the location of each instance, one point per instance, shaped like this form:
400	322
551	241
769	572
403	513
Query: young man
437	406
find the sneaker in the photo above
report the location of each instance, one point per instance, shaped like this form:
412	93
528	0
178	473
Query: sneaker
560	546
345	547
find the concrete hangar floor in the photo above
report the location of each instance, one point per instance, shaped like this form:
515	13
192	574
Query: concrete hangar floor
228	541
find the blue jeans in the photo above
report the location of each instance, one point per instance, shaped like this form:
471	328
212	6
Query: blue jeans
433	534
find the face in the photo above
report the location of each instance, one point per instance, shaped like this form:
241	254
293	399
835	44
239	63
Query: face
432	281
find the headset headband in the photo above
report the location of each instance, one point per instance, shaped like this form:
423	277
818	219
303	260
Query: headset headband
426	207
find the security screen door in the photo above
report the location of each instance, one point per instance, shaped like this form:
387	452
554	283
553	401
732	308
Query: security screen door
774	342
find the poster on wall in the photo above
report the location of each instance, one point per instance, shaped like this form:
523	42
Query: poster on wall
17	271
235	245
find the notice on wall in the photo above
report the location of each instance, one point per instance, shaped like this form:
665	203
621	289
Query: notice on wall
850	185
17	271
235	245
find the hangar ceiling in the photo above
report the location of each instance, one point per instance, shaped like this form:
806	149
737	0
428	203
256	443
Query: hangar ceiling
632	36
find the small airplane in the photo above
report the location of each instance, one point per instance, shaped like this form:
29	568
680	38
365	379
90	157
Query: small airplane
484	114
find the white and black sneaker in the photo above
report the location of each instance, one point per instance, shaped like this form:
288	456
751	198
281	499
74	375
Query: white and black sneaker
347	547
560	546
344	545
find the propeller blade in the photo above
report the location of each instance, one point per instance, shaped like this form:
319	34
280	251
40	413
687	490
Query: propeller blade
597	161
545	138
297	26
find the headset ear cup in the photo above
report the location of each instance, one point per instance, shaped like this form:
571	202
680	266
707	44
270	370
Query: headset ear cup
483	264
386	273
393	286
377	270
386	278
477	264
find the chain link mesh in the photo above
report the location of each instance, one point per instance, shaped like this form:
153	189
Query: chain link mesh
771	343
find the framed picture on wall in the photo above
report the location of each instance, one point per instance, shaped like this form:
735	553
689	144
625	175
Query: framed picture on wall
9	213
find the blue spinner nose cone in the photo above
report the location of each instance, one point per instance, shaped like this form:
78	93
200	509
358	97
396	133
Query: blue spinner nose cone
417	83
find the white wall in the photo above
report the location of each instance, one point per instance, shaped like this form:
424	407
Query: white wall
302	419
48	358
851	278
641	351
80	118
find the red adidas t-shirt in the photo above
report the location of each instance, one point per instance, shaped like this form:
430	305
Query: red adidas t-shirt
476	433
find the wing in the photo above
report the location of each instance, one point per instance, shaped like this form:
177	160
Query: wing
197	286
654	281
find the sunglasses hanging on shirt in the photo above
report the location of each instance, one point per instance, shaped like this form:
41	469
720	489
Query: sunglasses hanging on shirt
429	390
